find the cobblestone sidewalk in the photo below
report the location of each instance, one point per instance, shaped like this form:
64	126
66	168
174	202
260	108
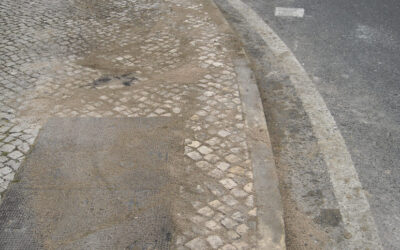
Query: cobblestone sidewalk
131	58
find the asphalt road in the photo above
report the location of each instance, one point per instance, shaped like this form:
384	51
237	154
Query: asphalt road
351	51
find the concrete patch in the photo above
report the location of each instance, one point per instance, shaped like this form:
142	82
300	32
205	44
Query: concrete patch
95	183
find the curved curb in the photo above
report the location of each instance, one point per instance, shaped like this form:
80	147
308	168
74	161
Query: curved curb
270	225
353	204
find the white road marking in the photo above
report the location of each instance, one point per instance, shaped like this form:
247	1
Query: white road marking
353	204
289	12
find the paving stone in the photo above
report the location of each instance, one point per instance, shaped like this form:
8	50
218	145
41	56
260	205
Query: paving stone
195	156
228	247
14	164
8	148
229	200
203	165
206	211
15	154
238	193
224	209
249	174
215	241
242	229
199	230
5	170
215	203
197	219
241	245
229	223
214	189
202	113
237	170
216	173
223	133
253	212
24	147
176	110
250	201
213	141
194	144
228	183
211	158
223	166
212	225
238	216
232	158
197	244
218	217
9	177
204	150
248	187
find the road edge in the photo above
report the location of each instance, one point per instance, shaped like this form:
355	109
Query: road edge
358	221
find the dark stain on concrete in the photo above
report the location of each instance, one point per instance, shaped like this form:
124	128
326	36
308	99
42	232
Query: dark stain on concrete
125	79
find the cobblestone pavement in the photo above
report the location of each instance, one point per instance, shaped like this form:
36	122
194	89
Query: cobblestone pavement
130	58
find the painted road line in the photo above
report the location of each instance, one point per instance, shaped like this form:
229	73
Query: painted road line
353	204
289	12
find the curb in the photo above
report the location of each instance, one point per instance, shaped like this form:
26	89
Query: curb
355	211
270	223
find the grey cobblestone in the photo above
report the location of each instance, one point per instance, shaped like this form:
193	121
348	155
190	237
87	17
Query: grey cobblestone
130	58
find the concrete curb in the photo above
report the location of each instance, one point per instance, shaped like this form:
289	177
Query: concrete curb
270	223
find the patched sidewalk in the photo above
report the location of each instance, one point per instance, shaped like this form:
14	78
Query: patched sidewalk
161	74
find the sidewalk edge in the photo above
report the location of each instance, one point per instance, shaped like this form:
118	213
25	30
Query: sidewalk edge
270	224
